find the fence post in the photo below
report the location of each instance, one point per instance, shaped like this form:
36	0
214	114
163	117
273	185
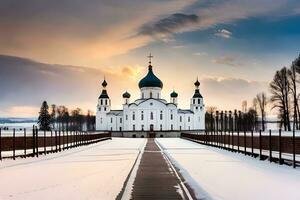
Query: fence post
25	142
238	140
63	140
280	153
252	143
260	146
294	149
33	142
14	143
45	151
270	145
59	141
51	139
67	132
56	149
0	145
37	142
245	146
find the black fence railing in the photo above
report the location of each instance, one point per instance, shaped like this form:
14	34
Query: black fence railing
283	149
34	142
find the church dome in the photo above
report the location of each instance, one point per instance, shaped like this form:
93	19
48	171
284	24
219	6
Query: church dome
104	83
197	83
126	95
174	94
150	80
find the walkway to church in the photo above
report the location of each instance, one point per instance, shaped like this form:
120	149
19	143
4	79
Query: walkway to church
155	179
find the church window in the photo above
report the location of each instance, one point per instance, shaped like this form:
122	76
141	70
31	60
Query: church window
151	115
161	115
150	94
198	101
126	117
101	120
189	119
111	128
111	120
161	127
171	126
142	127
99	108
189	128
179	127
105	101
171	116
180	118
120	120
133	127
101	101
142	115
194	101
104	108
133	116
120	128
196	108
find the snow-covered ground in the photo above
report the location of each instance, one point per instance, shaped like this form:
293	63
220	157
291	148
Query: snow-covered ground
96	171
219	174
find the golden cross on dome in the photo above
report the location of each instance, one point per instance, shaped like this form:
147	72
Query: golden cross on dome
150	57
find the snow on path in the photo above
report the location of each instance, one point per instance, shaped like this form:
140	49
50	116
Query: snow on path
96	171
219	174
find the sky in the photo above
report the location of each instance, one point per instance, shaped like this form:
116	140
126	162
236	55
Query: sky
60	51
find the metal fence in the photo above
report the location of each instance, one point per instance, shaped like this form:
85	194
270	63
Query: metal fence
275	147
36	142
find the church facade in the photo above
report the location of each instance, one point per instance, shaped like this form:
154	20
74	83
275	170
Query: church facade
150	113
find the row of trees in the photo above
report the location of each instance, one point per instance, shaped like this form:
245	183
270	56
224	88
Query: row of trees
284	99
60	118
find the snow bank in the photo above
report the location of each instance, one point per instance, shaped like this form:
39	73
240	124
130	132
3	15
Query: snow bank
96	171
226	175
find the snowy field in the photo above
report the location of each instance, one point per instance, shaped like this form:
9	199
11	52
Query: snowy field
96	171
219	174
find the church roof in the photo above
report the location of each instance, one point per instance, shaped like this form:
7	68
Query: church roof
185	111
197	94
126	95
150	80
115	112
104	95
174	94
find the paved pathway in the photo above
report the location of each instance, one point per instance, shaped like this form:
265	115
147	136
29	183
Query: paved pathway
155	179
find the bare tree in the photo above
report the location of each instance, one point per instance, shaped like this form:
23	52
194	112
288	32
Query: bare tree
280	90
262	103
244	106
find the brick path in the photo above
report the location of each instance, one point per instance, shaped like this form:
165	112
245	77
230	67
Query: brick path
155	179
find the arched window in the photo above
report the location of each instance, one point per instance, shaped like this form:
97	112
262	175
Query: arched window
105	101
133	116
198	101
194	101
111	120
142	127
101	101
151	115
180	118
161	127
189	119
179	127
142	95
126	117
171	126
171	116
133	127
142	115
150	94
161	115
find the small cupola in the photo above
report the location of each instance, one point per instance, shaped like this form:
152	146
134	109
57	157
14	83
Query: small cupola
126	97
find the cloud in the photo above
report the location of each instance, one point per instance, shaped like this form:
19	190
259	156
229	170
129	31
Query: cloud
200	54
226	93
224	33
167	26
228	60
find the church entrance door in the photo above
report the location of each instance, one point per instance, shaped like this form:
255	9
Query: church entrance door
151	127
151	133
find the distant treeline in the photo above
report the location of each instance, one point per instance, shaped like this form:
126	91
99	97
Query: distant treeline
284	98
61	118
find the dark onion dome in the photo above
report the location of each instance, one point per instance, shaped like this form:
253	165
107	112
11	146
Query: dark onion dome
197	83
197	94
104	83
103	95
150	80
126	95
174	94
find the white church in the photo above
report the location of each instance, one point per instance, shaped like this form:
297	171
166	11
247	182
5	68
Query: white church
150	114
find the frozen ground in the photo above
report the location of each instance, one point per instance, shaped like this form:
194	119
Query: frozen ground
219	174
96	171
